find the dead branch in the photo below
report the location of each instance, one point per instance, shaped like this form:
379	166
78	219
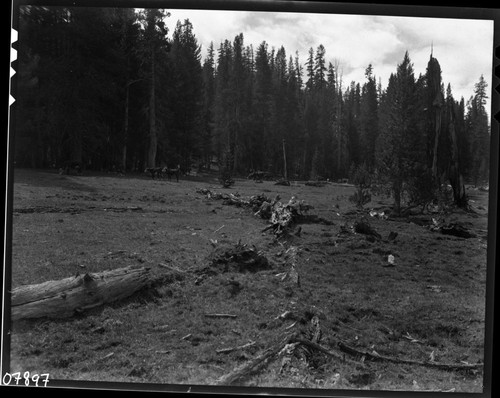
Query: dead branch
218	229
268	228
254	365
220	316
291	326
115	253
231	349
377	357
171	267
332	353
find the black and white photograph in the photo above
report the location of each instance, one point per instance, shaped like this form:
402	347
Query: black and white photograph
282	197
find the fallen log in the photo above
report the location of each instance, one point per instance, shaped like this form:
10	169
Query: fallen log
457	230
374	356
315	183
63	298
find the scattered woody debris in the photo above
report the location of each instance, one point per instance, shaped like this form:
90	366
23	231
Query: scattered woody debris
282	216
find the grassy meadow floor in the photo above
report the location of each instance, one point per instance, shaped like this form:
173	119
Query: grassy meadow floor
430	304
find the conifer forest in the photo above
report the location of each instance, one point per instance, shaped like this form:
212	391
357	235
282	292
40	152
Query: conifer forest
124	89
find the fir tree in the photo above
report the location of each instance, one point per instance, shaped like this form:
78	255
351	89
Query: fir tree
185	103
477	120
398	154
368	124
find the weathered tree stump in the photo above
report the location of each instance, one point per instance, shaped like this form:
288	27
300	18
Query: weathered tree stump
63	298
363	227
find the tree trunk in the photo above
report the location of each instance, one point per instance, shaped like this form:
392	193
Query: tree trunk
437	132
77	150
284	162
456	179
153	139
125	130
397	197
63	298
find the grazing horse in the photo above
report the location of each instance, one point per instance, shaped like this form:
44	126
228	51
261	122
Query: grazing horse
68	167
170	172
256	175
155	172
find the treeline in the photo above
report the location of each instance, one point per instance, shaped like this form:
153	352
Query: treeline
114	88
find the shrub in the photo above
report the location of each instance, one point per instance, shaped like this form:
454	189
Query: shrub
362	180
225	175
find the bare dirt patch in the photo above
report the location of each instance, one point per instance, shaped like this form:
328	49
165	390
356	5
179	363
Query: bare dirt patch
426	303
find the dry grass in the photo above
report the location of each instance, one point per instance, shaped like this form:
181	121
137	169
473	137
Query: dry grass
66	224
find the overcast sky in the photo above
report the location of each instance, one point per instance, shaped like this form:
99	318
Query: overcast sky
463	47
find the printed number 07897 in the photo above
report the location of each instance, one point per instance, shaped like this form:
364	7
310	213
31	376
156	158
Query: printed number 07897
8	378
